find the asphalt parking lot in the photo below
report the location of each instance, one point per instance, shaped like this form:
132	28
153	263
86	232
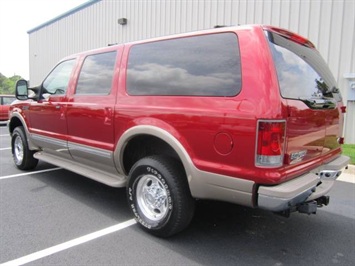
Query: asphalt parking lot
54	217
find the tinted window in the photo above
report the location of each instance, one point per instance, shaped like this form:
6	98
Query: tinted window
57	81
96	74
301	70
207	65
8	100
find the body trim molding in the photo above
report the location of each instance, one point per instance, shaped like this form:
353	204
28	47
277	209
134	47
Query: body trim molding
203	185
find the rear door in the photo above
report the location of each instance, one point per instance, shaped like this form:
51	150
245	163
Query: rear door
312	98
90	111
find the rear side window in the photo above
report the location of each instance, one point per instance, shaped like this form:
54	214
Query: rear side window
207	65
96	74
302	72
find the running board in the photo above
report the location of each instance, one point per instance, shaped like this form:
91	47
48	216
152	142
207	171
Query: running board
112	180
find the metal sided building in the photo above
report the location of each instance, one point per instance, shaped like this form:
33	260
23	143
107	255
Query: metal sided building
329	24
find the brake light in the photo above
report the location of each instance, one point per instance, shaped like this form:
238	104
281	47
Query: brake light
291	36
270	143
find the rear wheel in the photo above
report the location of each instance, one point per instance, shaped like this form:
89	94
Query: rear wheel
21	154
159	196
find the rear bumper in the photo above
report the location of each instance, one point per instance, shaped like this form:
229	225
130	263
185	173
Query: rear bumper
302	189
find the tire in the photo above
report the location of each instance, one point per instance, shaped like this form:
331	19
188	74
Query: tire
21	154
159	196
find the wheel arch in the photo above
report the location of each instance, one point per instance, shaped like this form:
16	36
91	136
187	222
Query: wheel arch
17	121
149	140
14	123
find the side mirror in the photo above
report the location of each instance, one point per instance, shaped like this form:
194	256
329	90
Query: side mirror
22	89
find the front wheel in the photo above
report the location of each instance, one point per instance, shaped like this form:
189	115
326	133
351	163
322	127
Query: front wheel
159	196
21	154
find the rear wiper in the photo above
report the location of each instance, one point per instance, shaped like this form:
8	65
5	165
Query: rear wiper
320	103
335	90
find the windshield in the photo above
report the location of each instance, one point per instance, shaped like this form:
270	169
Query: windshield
302	72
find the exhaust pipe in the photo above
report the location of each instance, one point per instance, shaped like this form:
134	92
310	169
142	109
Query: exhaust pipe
324	200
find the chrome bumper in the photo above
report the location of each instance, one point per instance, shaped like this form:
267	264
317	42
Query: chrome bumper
302	189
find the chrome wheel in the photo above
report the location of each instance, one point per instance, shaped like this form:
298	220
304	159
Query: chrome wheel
159	196
18	150
21	154
152	197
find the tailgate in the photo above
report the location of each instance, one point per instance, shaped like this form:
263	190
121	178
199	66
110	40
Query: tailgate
311	133
314	122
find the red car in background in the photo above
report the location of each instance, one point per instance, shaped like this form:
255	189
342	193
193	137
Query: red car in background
5	101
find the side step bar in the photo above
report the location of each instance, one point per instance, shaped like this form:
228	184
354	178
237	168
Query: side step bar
85	170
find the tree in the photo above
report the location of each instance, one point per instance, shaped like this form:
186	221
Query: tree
7	85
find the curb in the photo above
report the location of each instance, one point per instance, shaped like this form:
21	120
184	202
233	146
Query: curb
348	175
350	170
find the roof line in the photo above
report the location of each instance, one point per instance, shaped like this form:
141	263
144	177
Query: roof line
66	14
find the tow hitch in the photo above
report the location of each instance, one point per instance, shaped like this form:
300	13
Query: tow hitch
309	207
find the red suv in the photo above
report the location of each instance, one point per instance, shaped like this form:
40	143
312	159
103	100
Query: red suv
250	115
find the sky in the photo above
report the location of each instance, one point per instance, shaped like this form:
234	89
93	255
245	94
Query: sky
17	17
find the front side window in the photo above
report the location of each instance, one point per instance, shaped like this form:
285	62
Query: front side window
57	81
96	74
302	72
206	65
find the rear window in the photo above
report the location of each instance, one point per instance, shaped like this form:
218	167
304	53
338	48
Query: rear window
207	65
302	72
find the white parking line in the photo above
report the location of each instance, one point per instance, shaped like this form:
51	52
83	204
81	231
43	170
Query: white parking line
5	135
69	244
3	149
30	173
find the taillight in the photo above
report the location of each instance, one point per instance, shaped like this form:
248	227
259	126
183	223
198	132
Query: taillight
270	143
